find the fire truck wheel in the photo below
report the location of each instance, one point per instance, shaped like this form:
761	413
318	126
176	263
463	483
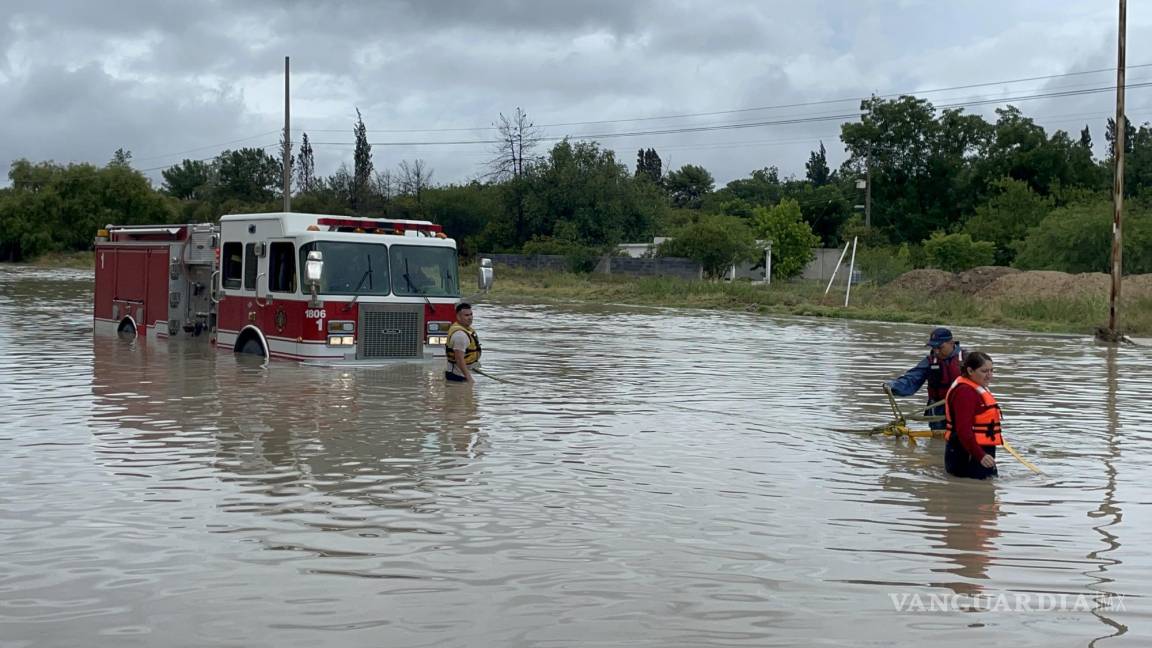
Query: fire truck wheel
127	329
252	346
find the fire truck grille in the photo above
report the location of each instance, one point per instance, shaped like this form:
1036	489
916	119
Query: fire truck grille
388	331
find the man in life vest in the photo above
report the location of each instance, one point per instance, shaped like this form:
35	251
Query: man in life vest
939	369
463	347
973	421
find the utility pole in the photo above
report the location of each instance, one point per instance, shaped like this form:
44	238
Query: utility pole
286	154
868	189
1120	142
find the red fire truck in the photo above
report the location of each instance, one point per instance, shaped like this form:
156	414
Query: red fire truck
282	285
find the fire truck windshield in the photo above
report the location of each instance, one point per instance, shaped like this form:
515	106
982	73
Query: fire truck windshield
351	268
424	270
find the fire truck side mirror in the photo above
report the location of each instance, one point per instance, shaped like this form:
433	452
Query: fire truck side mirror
484	276
314	268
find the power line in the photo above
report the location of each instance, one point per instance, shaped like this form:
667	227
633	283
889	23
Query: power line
212	157
742	125
803	104
703	128
208	146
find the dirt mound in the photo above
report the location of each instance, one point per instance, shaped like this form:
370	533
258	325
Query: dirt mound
1047	283
1137	287
975	280
924	281
996	282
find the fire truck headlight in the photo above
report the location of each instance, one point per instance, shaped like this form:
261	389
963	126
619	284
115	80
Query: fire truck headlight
341	340
437	339
435	327
341	326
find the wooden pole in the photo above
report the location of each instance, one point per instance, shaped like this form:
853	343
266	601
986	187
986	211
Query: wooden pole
1120	141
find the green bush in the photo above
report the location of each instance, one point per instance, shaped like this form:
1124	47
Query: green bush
581	258
715	242
1006	218
1078	238
792	237
885	263
957	252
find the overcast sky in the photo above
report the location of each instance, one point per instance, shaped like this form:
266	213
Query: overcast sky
172	80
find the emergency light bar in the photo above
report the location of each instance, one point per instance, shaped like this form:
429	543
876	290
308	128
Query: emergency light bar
372	225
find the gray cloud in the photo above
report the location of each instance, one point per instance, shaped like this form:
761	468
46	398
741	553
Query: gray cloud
176	79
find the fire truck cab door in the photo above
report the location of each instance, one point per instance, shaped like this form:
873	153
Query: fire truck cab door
278	293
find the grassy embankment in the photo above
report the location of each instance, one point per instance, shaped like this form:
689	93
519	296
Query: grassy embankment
1053	314
1045	313
73	260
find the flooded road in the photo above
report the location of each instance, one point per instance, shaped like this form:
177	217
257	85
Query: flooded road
648	477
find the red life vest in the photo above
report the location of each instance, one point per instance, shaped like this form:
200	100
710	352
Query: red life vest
941	375
986	425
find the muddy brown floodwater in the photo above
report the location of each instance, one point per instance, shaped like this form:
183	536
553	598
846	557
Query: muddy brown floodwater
646	477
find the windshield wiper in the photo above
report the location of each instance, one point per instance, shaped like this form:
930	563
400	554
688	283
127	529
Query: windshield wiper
412	287
366	276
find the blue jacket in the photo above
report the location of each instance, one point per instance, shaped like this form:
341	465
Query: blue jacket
914	379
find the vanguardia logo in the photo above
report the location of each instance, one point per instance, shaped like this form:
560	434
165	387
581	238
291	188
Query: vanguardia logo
1015	602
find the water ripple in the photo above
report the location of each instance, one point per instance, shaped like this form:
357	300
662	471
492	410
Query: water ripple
648	477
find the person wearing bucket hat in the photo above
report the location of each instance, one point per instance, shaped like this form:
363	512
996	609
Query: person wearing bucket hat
938	369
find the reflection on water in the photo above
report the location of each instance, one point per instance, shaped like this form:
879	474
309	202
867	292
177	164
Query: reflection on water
1109	512
648	477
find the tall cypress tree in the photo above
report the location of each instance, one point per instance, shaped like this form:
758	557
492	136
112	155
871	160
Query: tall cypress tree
362	169
817	165
305	167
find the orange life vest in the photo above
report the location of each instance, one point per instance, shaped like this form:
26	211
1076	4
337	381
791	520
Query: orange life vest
986	425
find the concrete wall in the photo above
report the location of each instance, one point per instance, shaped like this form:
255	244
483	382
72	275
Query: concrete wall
555	262
824	264
654	267
819	269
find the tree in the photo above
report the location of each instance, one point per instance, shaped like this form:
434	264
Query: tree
189	180
286	157
248	175
121	158
414	179
825	209
715	242
1110	137
792	238
1138	163
384	184
340	185
518	137
1006	218
362	166
305	167
53	208
1086	138
688	185
463	211
1078	238
763	188
579	193
957	252
1020	149
649	165
921	163
817	166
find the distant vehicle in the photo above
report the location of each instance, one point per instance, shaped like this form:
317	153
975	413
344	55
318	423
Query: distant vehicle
308	287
